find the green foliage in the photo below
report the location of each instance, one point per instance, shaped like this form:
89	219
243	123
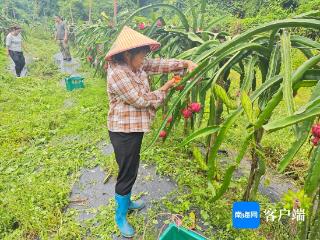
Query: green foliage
211	60
199	158
258	12
74	11
77	11
43	144
290	198
35	185
5	24
222	94
313	178
198	134
29	10
287	69
247	106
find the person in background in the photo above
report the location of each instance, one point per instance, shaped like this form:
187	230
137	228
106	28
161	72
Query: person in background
14	46
132	109
61	36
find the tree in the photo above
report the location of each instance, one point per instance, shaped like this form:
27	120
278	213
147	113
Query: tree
90	11
115	11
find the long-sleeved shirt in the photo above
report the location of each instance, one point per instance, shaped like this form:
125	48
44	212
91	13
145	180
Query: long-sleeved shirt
14	43
132	104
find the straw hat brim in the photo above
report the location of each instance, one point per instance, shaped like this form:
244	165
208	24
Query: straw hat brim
129	39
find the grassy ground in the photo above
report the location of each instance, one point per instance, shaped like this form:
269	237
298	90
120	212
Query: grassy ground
45	143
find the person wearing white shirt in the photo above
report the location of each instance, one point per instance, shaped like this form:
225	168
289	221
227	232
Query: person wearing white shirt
14	46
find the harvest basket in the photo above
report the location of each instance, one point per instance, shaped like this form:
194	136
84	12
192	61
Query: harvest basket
173	232
74	82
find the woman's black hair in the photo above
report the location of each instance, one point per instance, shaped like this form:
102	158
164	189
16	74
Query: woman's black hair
58	16
119	58
15	27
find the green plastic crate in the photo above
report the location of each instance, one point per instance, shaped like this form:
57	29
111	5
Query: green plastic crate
180	233
74	82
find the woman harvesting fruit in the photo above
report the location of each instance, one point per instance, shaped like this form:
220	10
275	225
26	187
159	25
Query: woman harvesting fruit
132	108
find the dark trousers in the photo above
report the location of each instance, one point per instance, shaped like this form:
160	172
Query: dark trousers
127	152
64	49
18	60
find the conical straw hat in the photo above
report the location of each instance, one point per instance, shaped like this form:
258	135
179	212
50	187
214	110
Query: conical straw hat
129	39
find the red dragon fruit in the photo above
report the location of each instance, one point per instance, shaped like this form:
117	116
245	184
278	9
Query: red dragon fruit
163	134
141	26
186	113
159	23
315	141
316	130
169	119
195	107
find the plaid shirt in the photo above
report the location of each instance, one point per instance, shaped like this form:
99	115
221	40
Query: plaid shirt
132	104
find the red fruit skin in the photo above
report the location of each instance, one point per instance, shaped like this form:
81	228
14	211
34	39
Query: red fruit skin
90	58
195	107
176	78
186	113
316	130
141	26
159	23
170	119
163	134
179	88
315	141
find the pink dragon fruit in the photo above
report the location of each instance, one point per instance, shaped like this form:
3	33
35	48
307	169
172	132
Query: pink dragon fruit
195	107
186	113
315	141
141	26
159	23
316	130
163	134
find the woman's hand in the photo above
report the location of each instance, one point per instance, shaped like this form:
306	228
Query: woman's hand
190	65
169	84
